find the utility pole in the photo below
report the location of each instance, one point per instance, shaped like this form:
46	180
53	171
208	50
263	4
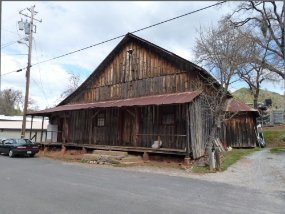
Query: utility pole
28	26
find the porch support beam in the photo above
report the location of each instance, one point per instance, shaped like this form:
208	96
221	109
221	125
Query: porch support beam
31	126
73	126
43	118
91	125
137	127
187	131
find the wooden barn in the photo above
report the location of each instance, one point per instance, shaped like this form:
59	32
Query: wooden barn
240	130
139	94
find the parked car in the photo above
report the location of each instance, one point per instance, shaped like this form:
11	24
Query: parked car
14	147
2	138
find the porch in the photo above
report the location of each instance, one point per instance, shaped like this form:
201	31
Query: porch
173	120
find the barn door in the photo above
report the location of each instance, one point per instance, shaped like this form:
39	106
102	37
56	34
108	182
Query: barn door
167	126
128	128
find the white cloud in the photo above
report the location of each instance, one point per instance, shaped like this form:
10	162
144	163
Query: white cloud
68	26
46	83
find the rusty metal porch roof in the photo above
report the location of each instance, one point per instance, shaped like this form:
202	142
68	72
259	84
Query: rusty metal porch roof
164	99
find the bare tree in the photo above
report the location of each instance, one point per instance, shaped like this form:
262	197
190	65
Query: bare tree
219	49
251	72
74	81
265	21
32	105
10	101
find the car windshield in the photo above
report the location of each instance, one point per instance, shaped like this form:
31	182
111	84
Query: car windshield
22	141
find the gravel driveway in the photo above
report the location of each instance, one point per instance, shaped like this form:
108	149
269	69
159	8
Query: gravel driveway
260	170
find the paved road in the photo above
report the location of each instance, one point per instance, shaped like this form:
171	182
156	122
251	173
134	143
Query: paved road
41	186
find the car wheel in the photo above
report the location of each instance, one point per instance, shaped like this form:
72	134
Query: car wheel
32	155
11	153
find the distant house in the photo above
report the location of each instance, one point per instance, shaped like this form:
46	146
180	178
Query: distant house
139	94
11	126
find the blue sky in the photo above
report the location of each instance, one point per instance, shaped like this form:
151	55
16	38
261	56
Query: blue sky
68	26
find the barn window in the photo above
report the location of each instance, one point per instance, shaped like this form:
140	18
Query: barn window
101	120
168	119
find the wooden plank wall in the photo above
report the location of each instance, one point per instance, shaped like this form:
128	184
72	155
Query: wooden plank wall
140	74
138	127
170	135
80	123
200	126
239	131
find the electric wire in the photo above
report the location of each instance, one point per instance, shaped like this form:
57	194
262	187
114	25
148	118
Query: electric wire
8	44
39	69
16	54
120	36
8	31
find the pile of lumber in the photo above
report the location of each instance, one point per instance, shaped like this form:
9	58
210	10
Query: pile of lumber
112	157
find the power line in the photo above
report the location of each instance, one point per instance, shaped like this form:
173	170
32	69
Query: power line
8	31
16	54
120	36
8	44
11	43
39	69
41	50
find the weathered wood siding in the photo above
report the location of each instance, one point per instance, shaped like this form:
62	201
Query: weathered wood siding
200	125
171	135
138	74
239	131
136	126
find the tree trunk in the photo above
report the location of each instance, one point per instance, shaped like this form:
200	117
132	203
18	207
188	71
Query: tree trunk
255	98
212	134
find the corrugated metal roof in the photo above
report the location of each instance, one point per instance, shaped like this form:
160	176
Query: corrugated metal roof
164	99
237	106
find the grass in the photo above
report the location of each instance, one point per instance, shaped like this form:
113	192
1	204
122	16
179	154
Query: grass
277	150
201	169
275	136
229	158
233	156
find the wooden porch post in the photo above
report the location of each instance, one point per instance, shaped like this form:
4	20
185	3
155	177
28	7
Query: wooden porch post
120	127
187	156
31	126
158	125
91	126
137	127
73	128
42	128
90	130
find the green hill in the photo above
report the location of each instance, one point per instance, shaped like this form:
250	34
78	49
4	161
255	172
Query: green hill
244	95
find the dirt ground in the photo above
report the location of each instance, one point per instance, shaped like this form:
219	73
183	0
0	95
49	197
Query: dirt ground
261	170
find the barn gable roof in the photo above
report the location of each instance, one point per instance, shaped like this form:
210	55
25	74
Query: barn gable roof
179	61
234	105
